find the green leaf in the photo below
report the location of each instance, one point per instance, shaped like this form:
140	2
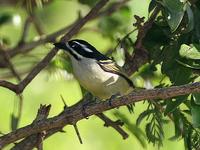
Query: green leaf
189	64
177	73
148	130
130	108
14	122
174	20
143	115
196	98
173	104
195	111
174	13
190	15
190	52
196	33
178	125
152	5
157	35
173	5
188	140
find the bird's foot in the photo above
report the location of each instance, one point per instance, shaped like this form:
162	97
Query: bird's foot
85	104
112	98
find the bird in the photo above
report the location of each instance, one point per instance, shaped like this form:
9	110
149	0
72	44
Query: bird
97	73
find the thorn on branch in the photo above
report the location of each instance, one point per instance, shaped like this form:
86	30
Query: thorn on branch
63	100
74	124
78	133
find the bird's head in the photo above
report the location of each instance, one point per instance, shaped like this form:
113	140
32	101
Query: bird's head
79	49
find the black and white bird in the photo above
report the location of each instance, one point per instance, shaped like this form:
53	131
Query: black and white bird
96	72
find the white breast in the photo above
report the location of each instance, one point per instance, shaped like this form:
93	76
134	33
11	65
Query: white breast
100	83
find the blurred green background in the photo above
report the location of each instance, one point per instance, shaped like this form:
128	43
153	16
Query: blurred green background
47	87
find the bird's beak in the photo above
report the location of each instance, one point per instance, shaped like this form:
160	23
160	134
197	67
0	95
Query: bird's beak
61	45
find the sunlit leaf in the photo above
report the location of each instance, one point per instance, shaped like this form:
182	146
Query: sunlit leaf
195	110
196	98
174	12
190	52
174	20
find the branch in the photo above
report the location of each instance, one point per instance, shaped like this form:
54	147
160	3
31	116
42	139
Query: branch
45	61
140	55
31	141
8	85
75	112
114	124
25	31
37	25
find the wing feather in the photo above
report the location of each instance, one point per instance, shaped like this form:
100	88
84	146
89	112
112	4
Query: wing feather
112	67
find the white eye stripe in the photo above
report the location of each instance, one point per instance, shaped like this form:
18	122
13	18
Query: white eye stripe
88	50
84	47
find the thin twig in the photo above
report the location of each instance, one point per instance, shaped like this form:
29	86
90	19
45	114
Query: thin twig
25	31
37	25
114	124
74	113
11	66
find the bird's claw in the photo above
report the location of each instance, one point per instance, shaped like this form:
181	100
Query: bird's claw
112	98
85	103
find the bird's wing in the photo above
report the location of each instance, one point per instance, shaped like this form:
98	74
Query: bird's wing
112	67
